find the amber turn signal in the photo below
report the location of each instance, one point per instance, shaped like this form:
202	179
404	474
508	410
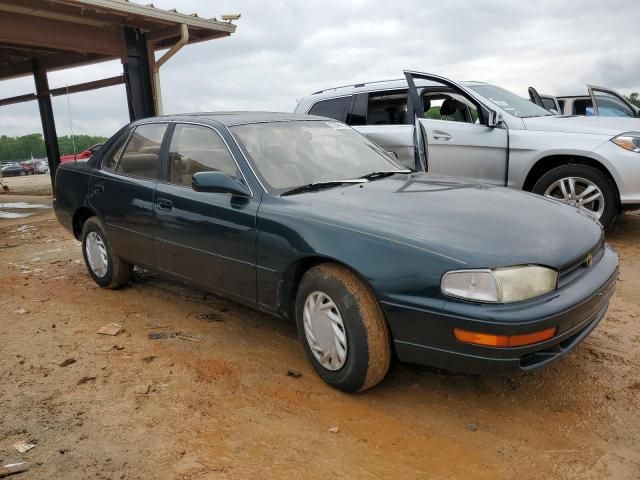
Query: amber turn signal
503	341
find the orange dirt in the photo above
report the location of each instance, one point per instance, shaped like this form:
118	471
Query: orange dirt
220	403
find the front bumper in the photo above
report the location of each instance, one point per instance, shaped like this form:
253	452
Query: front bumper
624	167
426	337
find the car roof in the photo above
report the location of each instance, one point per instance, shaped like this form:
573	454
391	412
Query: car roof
230	119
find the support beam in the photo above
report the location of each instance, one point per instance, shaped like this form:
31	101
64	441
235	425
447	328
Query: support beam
85	87
46	117
137	75
80	87
18	99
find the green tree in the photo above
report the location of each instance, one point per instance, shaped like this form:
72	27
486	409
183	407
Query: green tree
23	147
633	98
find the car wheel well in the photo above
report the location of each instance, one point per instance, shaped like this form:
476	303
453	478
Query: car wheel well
543	165
79	217
288	287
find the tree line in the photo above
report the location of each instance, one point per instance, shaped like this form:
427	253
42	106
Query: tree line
633	98
23	147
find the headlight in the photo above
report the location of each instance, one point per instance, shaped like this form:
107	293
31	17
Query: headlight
500	285
629	141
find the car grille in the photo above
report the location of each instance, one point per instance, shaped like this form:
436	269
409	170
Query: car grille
574	270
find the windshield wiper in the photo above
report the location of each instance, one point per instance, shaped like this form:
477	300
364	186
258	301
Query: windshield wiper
310	187
383	174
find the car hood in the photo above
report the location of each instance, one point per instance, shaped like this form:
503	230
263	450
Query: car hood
610	126
473	224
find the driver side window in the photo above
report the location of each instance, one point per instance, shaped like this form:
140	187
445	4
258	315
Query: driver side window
449	106
194	149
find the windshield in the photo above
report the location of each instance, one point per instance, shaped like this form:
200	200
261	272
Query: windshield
509	102
286	155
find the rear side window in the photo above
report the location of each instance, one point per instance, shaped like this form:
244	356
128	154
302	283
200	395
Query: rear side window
387	108
141	156
335	108
198	149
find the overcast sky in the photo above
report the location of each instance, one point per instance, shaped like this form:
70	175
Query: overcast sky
283	50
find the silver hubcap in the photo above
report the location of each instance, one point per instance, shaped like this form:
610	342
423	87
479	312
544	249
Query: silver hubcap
96	254
578	192
324	331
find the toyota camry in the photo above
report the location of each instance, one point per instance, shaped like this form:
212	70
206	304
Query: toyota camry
304	218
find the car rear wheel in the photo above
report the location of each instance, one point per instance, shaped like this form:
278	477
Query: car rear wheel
107	270
583	187
342	328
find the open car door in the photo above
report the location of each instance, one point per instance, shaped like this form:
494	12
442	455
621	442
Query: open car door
608	103
548	102
534	96
456	134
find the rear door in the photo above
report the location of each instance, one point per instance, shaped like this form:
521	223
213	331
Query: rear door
457	139
384	118
607	103
207	238
121	192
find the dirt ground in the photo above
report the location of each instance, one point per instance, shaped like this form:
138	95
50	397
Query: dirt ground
28	185
220	402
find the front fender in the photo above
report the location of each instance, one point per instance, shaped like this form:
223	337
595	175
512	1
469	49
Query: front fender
394	270
528	147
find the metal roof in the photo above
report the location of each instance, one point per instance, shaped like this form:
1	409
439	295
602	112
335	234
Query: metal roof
68	33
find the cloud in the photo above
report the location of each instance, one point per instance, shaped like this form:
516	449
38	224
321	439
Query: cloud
283	50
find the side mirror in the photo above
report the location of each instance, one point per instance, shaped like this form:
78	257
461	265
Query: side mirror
494	119
218	182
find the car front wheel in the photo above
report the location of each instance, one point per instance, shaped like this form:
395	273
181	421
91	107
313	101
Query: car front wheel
342	328
107	270
583	187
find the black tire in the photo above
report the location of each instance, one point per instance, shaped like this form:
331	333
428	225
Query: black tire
118	271
611	200
368	352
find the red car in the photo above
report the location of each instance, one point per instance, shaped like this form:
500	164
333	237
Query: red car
84	155
28	167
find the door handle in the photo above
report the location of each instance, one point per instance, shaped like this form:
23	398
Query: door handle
163	204
439	135
98	189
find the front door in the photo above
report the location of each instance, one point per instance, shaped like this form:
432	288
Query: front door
207	238
122	191
607	103
458	141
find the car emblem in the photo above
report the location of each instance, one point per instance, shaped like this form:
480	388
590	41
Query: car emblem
589	260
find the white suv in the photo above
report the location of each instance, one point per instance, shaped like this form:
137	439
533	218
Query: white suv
481	131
